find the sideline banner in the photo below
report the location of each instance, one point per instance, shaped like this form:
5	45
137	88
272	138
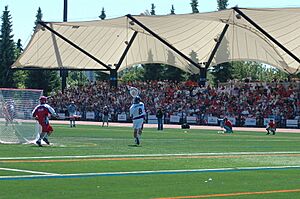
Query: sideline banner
61	116
292	123
152	119
174	118
250	122
191	119
90	115
212	120
122	117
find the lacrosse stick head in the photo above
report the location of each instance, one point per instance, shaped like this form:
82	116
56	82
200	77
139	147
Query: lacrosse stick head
134	92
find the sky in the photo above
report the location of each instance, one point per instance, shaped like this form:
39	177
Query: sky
23	12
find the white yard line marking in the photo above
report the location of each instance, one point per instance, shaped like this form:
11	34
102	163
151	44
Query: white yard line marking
134	173
27	171
149	155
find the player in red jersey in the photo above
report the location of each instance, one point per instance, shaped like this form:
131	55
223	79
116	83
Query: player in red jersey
227	126
271	127
42	112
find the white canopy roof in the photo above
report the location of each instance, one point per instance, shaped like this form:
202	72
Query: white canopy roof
194	35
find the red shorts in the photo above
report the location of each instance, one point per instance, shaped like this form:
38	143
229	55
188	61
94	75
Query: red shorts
47	128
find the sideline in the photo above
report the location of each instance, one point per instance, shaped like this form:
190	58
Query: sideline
177	126
148	158
142	173
170	126
153	155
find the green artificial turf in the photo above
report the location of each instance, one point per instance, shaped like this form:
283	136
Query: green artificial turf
87	152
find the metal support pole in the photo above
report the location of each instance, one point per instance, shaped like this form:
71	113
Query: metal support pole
203	75
65	18
113	78
218	40
74	45
162	40
126	50
203	70
64	72
266	34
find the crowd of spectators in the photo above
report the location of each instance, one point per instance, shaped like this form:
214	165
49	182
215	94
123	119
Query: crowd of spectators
240	100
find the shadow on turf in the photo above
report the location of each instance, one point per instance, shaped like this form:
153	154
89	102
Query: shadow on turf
134	145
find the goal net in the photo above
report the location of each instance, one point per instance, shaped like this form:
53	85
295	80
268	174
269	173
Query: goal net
16	122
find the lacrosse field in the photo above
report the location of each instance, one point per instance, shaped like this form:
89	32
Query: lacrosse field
91	161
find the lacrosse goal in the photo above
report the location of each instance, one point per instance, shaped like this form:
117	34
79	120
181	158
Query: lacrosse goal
16	123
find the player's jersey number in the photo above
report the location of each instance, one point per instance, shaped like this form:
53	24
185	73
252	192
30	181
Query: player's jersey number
140	111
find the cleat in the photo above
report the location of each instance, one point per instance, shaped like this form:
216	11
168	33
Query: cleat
137	141
46	140
39	143
268	134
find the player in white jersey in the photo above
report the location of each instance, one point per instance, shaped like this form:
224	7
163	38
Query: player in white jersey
137	113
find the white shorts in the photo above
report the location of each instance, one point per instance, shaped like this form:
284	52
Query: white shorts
138	123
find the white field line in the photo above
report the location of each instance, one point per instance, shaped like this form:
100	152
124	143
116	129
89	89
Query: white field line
150	155
150	172
27	171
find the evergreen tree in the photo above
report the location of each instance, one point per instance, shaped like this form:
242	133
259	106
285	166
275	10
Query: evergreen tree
7	50
103	15
222	4
170	72
194	5
134	73
194	57
19	75
173	73
101	76
222	72
39	16
152	9
152	71
78	78
19	48
172	10
46	80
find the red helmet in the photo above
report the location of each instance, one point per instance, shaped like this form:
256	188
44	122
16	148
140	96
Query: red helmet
43	99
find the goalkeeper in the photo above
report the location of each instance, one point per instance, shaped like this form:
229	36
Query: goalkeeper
42	112
9	111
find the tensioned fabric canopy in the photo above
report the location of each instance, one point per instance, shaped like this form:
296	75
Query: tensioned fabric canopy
186	41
